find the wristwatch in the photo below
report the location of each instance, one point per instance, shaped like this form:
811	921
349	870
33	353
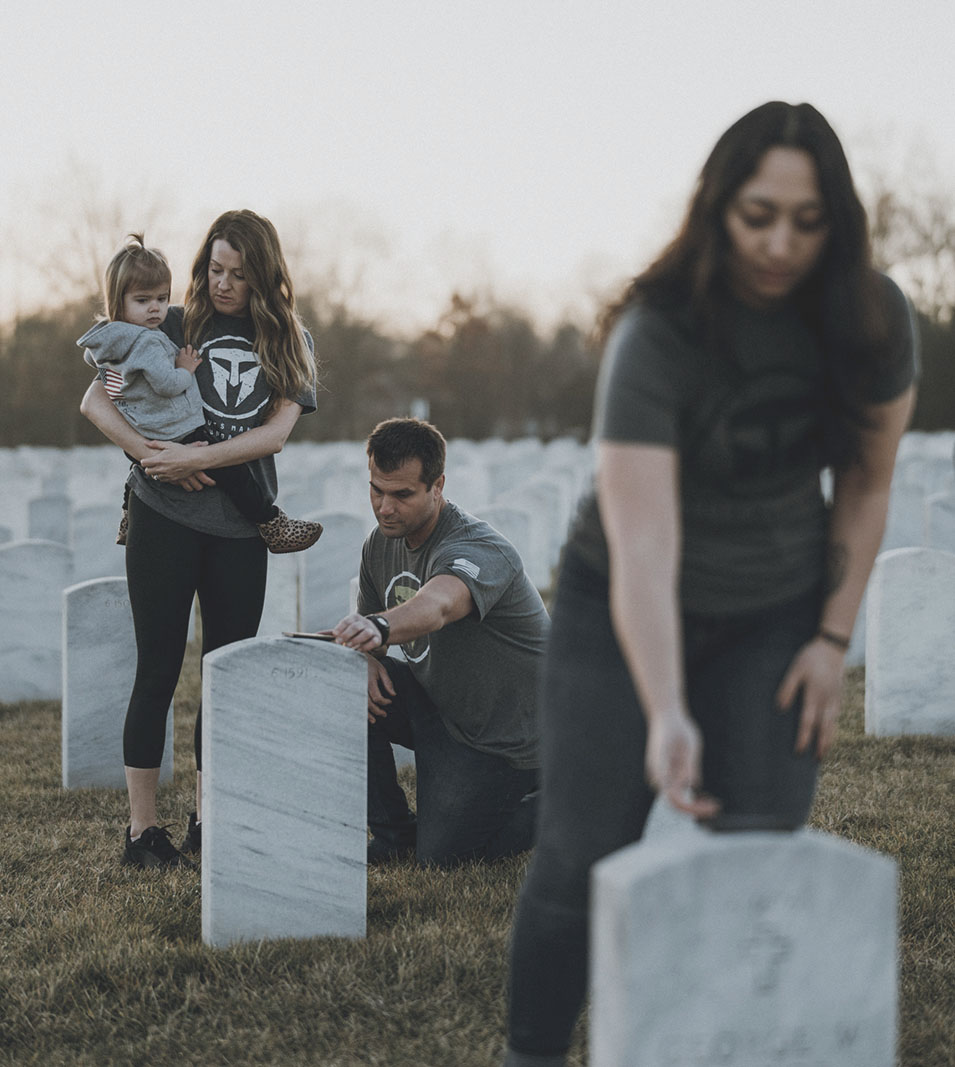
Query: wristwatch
384	627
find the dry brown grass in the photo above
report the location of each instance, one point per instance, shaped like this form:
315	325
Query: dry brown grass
105	966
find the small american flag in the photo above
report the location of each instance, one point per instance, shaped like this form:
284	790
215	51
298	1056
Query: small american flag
114	383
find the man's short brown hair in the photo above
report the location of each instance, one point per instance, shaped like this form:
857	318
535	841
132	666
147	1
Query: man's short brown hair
395	441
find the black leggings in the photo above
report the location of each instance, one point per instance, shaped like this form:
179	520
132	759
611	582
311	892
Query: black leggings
594	797
166	565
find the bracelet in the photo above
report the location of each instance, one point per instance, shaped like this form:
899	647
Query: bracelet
834	639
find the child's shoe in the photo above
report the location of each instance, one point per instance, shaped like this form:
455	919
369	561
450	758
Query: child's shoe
283	534
123	528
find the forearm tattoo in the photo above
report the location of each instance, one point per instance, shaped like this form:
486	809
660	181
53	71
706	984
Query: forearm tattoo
837	562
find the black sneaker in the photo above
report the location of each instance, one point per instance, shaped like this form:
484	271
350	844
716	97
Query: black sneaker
380	852
153	849
192	842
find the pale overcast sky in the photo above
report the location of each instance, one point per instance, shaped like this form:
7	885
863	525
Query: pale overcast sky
541	148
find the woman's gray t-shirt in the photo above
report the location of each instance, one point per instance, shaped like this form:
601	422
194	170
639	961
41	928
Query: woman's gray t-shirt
748	430
234	397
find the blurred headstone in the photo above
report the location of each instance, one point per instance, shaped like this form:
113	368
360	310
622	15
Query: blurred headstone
748	949
910	628
33	575
99	667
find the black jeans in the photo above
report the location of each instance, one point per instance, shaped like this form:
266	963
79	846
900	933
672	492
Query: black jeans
594	798
470	804
166	566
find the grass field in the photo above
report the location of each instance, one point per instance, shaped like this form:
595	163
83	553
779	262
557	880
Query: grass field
101	965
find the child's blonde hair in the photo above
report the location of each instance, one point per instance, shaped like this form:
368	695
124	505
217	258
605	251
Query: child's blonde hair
133	264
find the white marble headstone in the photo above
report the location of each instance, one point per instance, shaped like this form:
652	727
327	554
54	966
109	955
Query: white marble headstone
910	628
328	568
745	950
99	667
33	575
940	521
95	552
49	518
284	840
525	530
281	608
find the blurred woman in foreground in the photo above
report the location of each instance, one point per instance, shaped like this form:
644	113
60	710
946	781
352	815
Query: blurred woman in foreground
708	592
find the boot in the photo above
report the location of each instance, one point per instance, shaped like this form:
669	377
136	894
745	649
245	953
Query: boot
283	534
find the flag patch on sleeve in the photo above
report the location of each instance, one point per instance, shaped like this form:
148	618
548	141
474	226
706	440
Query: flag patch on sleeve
469	568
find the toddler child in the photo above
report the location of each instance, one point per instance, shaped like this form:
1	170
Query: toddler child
152	383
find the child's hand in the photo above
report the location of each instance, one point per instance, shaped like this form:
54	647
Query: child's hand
188	359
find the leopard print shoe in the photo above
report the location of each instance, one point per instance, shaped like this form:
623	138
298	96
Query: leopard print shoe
283	534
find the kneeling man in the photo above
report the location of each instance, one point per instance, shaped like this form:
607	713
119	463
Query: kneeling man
452	593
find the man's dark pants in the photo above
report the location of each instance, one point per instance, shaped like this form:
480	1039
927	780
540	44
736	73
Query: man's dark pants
470	804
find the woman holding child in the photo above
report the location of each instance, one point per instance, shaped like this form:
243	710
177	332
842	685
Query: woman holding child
708	591
255	371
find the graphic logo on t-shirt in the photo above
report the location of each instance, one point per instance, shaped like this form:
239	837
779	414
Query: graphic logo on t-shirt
400	589
232	385
763	437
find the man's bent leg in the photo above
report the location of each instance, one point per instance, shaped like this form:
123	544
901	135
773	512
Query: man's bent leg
389	818
471	805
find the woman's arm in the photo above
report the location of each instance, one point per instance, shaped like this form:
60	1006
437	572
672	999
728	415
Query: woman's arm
97	406
171	462
637	491
859	508
101	411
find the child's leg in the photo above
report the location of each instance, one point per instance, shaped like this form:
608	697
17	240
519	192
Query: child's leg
243	490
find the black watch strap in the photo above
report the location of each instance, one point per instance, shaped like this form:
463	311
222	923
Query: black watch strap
384	628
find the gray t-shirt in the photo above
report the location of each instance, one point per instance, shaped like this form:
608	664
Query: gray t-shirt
482	671
749	429
234	396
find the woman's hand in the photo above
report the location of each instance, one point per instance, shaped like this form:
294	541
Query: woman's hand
179	464
817	672
673	762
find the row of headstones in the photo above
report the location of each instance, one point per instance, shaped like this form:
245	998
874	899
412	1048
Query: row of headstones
910	681
524	489
533	516
763	948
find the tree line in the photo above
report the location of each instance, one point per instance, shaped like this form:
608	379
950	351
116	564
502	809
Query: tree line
482	369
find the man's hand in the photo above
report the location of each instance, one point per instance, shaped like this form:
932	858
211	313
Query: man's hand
355	631
380	689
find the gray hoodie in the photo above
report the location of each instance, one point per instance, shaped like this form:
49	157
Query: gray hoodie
138	367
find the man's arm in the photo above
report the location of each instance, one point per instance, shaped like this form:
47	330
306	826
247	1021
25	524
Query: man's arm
442	600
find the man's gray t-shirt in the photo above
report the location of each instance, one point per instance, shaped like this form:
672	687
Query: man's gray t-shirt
482	671
748	426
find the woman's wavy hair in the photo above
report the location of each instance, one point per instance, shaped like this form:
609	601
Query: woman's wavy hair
280	343
133	265
842	299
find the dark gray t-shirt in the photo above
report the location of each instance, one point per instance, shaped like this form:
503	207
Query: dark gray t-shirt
749	432
482	671
234	396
